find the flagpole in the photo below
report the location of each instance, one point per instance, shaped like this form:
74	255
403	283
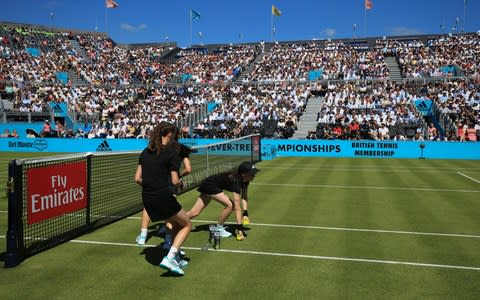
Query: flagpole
464	14
190	27
106	19
271	27
365	21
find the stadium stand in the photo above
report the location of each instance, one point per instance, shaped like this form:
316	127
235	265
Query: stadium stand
223	91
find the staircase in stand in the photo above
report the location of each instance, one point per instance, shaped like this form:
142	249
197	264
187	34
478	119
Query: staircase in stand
308	121
251	66
393	68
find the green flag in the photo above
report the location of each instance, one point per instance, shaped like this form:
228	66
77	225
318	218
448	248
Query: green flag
194	14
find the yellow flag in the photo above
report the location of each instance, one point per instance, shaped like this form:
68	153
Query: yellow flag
275	11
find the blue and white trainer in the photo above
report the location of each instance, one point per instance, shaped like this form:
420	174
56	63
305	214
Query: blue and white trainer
171	265
223	232
141	240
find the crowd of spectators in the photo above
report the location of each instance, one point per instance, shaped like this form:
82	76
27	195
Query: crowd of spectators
18	65
132	112
453	55
223	64
105	63
271	110
380	111
128	89
385	110
458	104
335	60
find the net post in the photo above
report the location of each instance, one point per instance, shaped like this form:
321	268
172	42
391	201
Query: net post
89	189
252	147
207	166
12	256
255	141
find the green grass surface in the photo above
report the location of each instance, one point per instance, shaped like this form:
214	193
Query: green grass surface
322	229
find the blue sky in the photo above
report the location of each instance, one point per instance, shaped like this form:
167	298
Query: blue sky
227	21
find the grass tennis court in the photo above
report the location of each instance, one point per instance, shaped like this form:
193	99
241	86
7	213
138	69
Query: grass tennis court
322	228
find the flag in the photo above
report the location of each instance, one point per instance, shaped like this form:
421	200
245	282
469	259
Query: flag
368	4
111	4
194	14
275	11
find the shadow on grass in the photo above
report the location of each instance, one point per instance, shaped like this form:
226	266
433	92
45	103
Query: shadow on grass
205	227
154	255
2	256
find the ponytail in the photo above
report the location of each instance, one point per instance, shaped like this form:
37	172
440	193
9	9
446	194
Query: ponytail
161	130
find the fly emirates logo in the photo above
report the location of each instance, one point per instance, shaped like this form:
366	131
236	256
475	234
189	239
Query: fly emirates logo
56	190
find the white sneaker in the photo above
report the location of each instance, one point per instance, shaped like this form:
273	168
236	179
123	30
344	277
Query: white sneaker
141	240
171	265
223	233
182	253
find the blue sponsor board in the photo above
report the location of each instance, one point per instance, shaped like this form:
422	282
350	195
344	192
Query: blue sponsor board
269	152
240	148
270	148
376	149
71	145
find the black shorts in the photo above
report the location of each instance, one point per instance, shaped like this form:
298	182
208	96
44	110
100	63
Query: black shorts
209	188
161	206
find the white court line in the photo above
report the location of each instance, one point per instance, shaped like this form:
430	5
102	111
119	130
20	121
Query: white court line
274	165
365	187
357	229
348	259
341	229
347	229
460	173
398	170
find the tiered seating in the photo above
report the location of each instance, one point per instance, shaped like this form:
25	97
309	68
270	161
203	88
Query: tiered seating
129	88
380	111
223	64
335	61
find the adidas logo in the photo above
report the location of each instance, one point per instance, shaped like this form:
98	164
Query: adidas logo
422	105
104	147
56	108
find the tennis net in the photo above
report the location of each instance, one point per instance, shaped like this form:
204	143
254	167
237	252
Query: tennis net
55	199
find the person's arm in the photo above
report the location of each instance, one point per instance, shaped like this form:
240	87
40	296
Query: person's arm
138	175
175	178
240	234
244	205
237	207
187	167
245	217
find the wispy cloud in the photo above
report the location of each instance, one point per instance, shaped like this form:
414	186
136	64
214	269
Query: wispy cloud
132	28
402	30
329	32
51	4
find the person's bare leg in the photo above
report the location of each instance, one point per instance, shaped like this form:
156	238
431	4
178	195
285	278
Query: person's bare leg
202	201
223	199
182	225
142	238
145	219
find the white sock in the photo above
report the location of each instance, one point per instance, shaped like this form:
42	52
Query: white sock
143	231
172	253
